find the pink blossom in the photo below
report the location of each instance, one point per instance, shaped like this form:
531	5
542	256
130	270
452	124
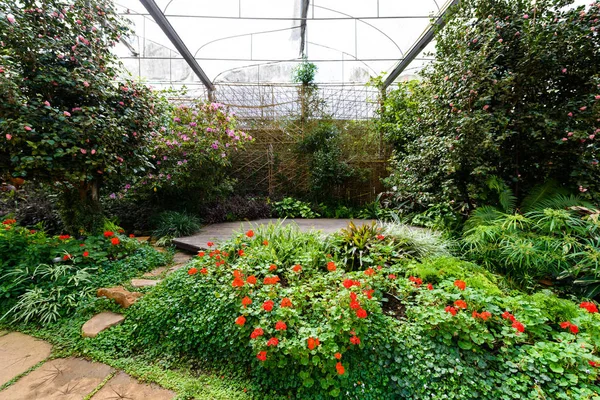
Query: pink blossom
93	151
61	56
583	108
86	84
500	40
47	103
597	97
78	22
486	107
570	134
564	139
67	114
570	114
27	128
592	137
526	16
8	136
10	19
564	70
83	151
582	189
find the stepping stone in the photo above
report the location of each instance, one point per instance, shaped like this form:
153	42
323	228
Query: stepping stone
122	386
120	295
60	379
143	238
155	272
100	322
18	353
139	283
181	258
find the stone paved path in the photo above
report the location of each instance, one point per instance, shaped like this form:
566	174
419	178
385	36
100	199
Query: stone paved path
63	378
221	232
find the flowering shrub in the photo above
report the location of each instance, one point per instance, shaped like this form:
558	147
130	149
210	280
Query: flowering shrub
277	301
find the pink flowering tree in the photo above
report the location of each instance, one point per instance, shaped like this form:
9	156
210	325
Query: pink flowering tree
191	154
514	92
64	119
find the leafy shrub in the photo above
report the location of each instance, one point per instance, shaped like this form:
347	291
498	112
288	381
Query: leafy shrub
236	208
172	224
552	236
276	302
505	96
293	208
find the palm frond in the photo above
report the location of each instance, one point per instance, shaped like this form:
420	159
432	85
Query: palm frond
540	193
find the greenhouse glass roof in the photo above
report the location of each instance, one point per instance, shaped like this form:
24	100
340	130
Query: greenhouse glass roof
261	41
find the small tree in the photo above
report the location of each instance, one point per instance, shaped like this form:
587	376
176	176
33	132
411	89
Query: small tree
513	93
64	119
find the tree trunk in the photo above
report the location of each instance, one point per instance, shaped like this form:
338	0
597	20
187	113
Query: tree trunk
80	208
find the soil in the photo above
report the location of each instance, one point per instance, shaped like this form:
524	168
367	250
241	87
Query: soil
393	307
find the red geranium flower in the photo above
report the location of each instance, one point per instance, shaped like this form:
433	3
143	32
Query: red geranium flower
518	326
361	313
115	241
9	221
460	284
280	326
240	252
286	302
67	257
429	286
369	271
416	281
340	368
86	253
192	271
265	242
348	283
246	301
210	244
273	341
507	315
589	306
594	363
262	356
204	271
131	235
268	305
272	267
297	268
369	293
355	340
64	237
257	332
108	234
251	280
237	282
355	305
250	233
312	343
338	356
201	254
460	304
241	320
485	315
572	327
451	310
380	237
331	266
272	280
392	276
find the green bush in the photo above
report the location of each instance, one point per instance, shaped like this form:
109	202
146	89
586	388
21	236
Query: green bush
263	299
172	224
293	208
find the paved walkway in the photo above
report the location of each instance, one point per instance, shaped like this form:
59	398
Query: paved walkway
63	378
221	232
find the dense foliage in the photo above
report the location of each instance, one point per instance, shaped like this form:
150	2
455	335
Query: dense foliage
513	92
287	305
43	278
64	119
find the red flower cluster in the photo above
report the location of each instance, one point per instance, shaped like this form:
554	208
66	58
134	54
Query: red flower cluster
262	356
392	276
460	304
86	253
238	280
280	326
572	327
369	271
271	280
250	233
484	315
108	234
201	254
265	242
192	271
64	237
268	305
340	368
369	293
131	235
210	244
338	356
312	343
257	332
380	237
361	313
416	281
348	283
273	342
331	266
355	340
286	302
451	310
241	320
241	252
594	363
115	241
297	268
515	324
9	221
251	280
589	306
67	257
246	301
204	271
429	286
460	284
272	267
